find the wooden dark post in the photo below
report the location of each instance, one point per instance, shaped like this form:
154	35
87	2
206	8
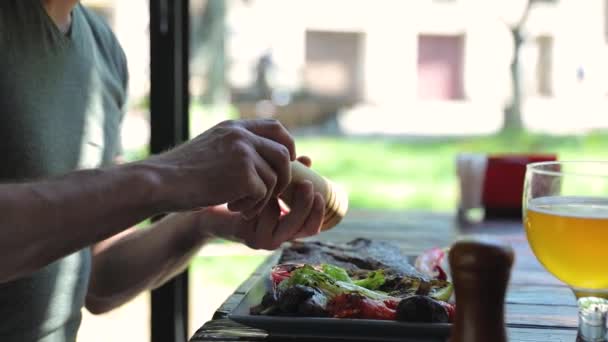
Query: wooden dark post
169	101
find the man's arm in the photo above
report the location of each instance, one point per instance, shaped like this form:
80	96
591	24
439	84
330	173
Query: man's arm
141	259
147	258
242	163
46	220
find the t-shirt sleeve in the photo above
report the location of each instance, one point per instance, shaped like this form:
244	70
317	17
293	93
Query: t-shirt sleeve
116	60
124	74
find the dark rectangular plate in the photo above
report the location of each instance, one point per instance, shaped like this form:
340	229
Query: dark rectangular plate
332	328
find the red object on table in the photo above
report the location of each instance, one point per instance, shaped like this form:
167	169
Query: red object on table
504	182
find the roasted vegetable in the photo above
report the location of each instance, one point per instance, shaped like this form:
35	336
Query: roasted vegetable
441	290
403	286
269	306
302	300
296	300
315	306
291	298
422	309
357	306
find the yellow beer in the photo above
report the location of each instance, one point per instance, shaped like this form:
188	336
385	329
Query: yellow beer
569	236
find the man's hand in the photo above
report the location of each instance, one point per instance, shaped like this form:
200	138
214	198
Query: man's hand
273	225
242	163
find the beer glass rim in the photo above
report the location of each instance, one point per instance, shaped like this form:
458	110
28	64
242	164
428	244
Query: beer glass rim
537	167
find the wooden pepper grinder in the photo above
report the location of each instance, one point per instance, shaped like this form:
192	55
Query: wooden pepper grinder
480	272
336	199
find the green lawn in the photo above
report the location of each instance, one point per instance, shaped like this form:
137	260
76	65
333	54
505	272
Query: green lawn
408	173
227	271
383	173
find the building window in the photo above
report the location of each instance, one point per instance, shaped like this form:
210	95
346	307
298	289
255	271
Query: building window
606	20
334	64
544	66
440	67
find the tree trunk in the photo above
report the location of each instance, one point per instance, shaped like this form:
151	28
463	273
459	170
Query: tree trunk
513	120
208	50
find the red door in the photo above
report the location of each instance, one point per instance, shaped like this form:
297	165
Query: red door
440	67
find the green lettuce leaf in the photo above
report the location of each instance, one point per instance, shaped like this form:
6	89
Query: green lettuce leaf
308	276
337	273
373	281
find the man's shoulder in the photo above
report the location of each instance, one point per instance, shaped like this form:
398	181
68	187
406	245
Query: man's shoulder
97	23
105	38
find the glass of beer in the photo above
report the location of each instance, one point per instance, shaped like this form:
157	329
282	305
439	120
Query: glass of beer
566	221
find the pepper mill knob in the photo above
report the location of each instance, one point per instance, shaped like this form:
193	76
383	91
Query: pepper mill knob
336	199
480	273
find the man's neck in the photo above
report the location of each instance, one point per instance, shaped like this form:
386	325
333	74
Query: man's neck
61	12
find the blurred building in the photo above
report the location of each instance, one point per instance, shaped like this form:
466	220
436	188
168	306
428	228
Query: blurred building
430	66
404	67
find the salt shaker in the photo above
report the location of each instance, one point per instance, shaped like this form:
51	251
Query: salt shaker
480	273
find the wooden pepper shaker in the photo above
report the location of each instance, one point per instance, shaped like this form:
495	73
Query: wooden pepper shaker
480	272
336	199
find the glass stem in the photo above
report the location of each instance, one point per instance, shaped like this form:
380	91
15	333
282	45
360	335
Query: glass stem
592	313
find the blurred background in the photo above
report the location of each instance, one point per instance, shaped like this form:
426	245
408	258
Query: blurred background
382	94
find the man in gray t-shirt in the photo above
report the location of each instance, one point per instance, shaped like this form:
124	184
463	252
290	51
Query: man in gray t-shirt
61	97
64	237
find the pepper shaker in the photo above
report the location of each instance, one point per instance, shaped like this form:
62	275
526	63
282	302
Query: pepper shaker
336	199
480	273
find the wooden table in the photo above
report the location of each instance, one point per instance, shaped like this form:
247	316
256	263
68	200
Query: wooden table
539	307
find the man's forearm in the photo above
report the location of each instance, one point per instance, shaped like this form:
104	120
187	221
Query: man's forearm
44	221
142	260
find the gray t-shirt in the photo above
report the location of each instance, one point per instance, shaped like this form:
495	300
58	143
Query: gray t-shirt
61	100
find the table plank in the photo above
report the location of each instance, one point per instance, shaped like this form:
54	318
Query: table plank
223	329
554	316
541	335
227	330
540	295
